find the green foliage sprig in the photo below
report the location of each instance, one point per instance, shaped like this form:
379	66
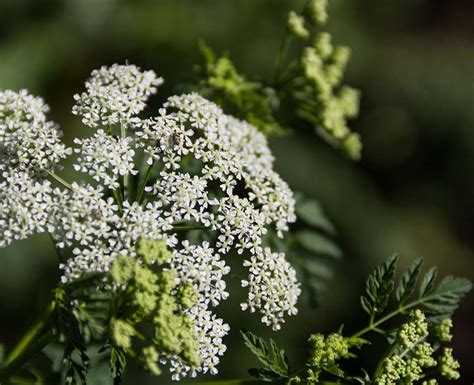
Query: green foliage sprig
307	86
416	343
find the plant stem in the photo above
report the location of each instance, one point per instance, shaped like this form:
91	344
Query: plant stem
285	44
373	326
118	199
123	134
30	344
59	179
144	182
187	228
58	253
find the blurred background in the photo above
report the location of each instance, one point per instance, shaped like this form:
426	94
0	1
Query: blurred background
412	192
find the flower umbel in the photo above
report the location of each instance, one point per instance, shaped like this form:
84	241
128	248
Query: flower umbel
188	167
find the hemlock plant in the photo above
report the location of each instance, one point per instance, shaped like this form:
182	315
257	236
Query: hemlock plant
144	234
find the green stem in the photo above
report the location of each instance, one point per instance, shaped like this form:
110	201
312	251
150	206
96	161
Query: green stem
118	199
284	46
187	228
59	179
144	182
30	344
123	134
387	353
58	253
373	326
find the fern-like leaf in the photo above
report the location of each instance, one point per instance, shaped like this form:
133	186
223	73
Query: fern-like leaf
272	358
444	300
379	287
408	282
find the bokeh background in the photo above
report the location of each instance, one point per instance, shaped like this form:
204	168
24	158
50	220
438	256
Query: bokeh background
412	192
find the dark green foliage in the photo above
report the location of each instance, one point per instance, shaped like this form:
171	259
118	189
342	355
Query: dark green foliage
444	300
117	363
251	101
312	244
76	364
408	282
428	282
379	287
311	212
274	361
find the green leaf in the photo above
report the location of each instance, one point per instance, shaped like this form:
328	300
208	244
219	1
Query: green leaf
272	358
117	363
318	244
442	302
408	282
310	212
428	282
76	364
379	287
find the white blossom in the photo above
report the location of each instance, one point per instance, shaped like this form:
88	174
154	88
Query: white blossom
25	206
273	287
105	158
115	94
28	142
207	171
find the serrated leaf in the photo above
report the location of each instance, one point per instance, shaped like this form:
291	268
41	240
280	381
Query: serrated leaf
408	281
310	212
317	268
273	358
379	287
445	299
318	243
428	282
117	363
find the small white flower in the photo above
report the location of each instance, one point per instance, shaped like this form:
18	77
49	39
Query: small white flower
273	287
115	94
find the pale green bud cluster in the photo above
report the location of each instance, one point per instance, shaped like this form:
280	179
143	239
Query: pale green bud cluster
323	67
317	10
326	351
448	365
415	354
414	330
149	302
442	331
403	370
296	25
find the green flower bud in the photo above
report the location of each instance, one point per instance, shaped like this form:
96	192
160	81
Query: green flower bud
123	269
153	251
442	331
317	10
150	358
122	333
448	365
296	25
322	44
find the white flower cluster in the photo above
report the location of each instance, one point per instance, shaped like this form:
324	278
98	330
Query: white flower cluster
273	287
207	170
105	158
115	94
28	141
202	268
25	206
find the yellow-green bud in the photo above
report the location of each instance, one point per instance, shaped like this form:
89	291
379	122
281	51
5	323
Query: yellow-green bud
123	269
448	365
442	331
322	44
317	10
122	333
152	251
296	25
150	358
